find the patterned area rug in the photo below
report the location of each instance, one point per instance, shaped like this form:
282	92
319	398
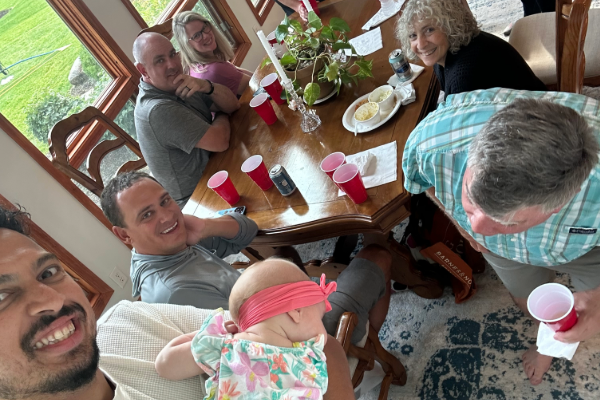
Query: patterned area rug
473	350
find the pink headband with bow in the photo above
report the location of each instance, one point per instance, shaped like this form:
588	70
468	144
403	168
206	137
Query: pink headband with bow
280	299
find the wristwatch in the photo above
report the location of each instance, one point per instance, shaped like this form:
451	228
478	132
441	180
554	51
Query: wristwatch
212	87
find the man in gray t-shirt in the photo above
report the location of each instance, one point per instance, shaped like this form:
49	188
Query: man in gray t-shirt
173	119
176	258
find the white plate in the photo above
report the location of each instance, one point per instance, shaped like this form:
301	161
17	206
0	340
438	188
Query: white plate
348	118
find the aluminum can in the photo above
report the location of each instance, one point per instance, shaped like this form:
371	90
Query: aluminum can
400	65
282	180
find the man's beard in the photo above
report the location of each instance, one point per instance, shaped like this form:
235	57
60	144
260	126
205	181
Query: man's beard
69	380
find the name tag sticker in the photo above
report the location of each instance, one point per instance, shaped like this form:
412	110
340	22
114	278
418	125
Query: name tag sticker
583	231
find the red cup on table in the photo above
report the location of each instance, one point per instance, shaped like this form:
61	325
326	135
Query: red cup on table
263	107
272	39
222	185
347	177
271	84
333	162
554	305
255	168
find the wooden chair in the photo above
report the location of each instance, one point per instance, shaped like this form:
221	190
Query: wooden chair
165	29
555	46
59	136
372	351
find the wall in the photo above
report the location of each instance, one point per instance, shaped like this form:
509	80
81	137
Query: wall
119	23
58	213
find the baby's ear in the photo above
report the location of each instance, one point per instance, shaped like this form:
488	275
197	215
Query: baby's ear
295	315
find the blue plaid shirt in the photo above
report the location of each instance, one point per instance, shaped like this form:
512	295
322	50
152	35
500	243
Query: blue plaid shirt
436	156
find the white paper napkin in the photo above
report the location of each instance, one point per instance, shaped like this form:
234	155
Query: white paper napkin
407	93
416	71
367	43
549	346
380	16
383	167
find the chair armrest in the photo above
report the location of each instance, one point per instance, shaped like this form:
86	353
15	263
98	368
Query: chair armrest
345	328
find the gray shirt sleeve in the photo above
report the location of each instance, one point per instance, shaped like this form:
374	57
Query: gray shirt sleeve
210	300
183	127
224	247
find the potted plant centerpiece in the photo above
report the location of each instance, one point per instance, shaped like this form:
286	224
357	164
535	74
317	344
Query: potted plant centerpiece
316	60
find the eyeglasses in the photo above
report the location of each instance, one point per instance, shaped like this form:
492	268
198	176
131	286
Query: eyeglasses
198	36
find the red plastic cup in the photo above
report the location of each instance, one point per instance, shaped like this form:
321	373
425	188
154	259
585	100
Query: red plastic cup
349	180
273	87
223	186
257	171
553	304
263	107
333	162
272	39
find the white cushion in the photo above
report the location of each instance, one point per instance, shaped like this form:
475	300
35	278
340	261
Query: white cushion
534	38
130	336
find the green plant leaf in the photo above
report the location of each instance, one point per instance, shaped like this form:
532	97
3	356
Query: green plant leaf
314	20
338	24
314	42
265	62
364	69
332	71
286	21
281	32
287	59
341	45
296	25
311	30
327	33
345	77
311	93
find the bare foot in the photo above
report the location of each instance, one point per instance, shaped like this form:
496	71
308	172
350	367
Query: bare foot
535	365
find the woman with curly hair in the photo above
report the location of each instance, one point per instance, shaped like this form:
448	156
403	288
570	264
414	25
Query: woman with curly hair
205	53
444	34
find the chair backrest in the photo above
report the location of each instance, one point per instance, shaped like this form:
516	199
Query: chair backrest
571	29
59	136
165	29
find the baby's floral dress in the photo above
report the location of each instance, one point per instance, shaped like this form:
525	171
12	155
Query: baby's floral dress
244	370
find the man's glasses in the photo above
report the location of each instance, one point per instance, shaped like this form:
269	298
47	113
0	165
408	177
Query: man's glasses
198	36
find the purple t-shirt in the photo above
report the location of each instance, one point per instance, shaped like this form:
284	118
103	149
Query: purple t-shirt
221	72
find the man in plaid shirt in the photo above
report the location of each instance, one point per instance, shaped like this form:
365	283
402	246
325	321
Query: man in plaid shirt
518	173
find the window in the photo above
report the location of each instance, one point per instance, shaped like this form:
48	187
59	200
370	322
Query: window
260	9
58	59
217	11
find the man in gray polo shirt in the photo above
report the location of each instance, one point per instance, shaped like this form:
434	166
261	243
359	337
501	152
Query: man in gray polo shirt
173	119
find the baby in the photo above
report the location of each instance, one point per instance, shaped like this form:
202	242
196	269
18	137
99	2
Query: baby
279	348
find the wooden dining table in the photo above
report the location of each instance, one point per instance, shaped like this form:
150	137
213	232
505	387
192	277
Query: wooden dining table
315	211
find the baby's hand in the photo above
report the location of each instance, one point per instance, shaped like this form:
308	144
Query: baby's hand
231	327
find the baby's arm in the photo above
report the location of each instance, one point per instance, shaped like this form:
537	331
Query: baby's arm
175	361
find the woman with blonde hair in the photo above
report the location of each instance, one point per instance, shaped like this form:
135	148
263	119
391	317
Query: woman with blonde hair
205	52
444	34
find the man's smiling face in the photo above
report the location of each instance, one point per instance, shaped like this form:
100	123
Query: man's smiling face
153	221
47	340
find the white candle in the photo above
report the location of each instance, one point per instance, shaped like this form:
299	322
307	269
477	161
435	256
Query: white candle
273	57
307	5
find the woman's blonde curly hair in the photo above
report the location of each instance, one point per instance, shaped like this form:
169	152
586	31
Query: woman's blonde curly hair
450	16
189	56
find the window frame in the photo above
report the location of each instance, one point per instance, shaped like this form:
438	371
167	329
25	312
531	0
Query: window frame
96	39
221	6
261	9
